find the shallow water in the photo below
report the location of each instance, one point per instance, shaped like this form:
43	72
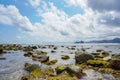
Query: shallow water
12	67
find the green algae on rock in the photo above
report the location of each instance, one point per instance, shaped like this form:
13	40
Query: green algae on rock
65	57
40	52
98	63
51	62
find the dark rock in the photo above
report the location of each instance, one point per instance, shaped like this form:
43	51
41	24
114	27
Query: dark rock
105	54
34	47
82	58
74	70
52	62
28	54
2	58
53	51
32	67
55	48
95	53
1	51
115	64
65	57
28	48
44	58
99	50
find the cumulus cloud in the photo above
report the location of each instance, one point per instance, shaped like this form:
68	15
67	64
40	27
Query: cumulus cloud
34	3
10	16
103	5
56	25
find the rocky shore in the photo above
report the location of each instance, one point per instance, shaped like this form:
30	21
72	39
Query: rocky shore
99	64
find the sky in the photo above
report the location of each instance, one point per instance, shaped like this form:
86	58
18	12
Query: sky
36	21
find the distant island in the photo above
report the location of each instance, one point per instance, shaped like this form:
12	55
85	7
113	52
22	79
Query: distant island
115	40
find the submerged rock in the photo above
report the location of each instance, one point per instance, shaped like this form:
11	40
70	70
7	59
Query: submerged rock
82	58
2	58
53	51
51	62
95	53
39	52
65	57
99	50
28	54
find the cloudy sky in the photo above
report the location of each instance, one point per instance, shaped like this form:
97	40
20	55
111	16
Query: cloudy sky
35	21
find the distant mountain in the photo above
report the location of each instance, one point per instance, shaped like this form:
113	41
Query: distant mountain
115	40
79	42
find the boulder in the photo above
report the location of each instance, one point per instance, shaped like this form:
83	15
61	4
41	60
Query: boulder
82	58
74	71
115	64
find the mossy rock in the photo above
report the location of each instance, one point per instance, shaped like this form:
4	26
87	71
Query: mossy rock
27	48
28	54
49	71
25	77
98	63
98	57
82	58
59	69
32	67
53	51
39	52
105	54
95	53
27	65
115	64
99	50
62	77
37	73
52	62
34	47
106	70
73	70
65	57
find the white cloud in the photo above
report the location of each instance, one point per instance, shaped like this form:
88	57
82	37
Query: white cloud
56	25
10	15
34	3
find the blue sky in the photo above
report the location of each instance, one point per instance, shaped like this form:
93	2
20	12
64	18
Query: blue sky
36	21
